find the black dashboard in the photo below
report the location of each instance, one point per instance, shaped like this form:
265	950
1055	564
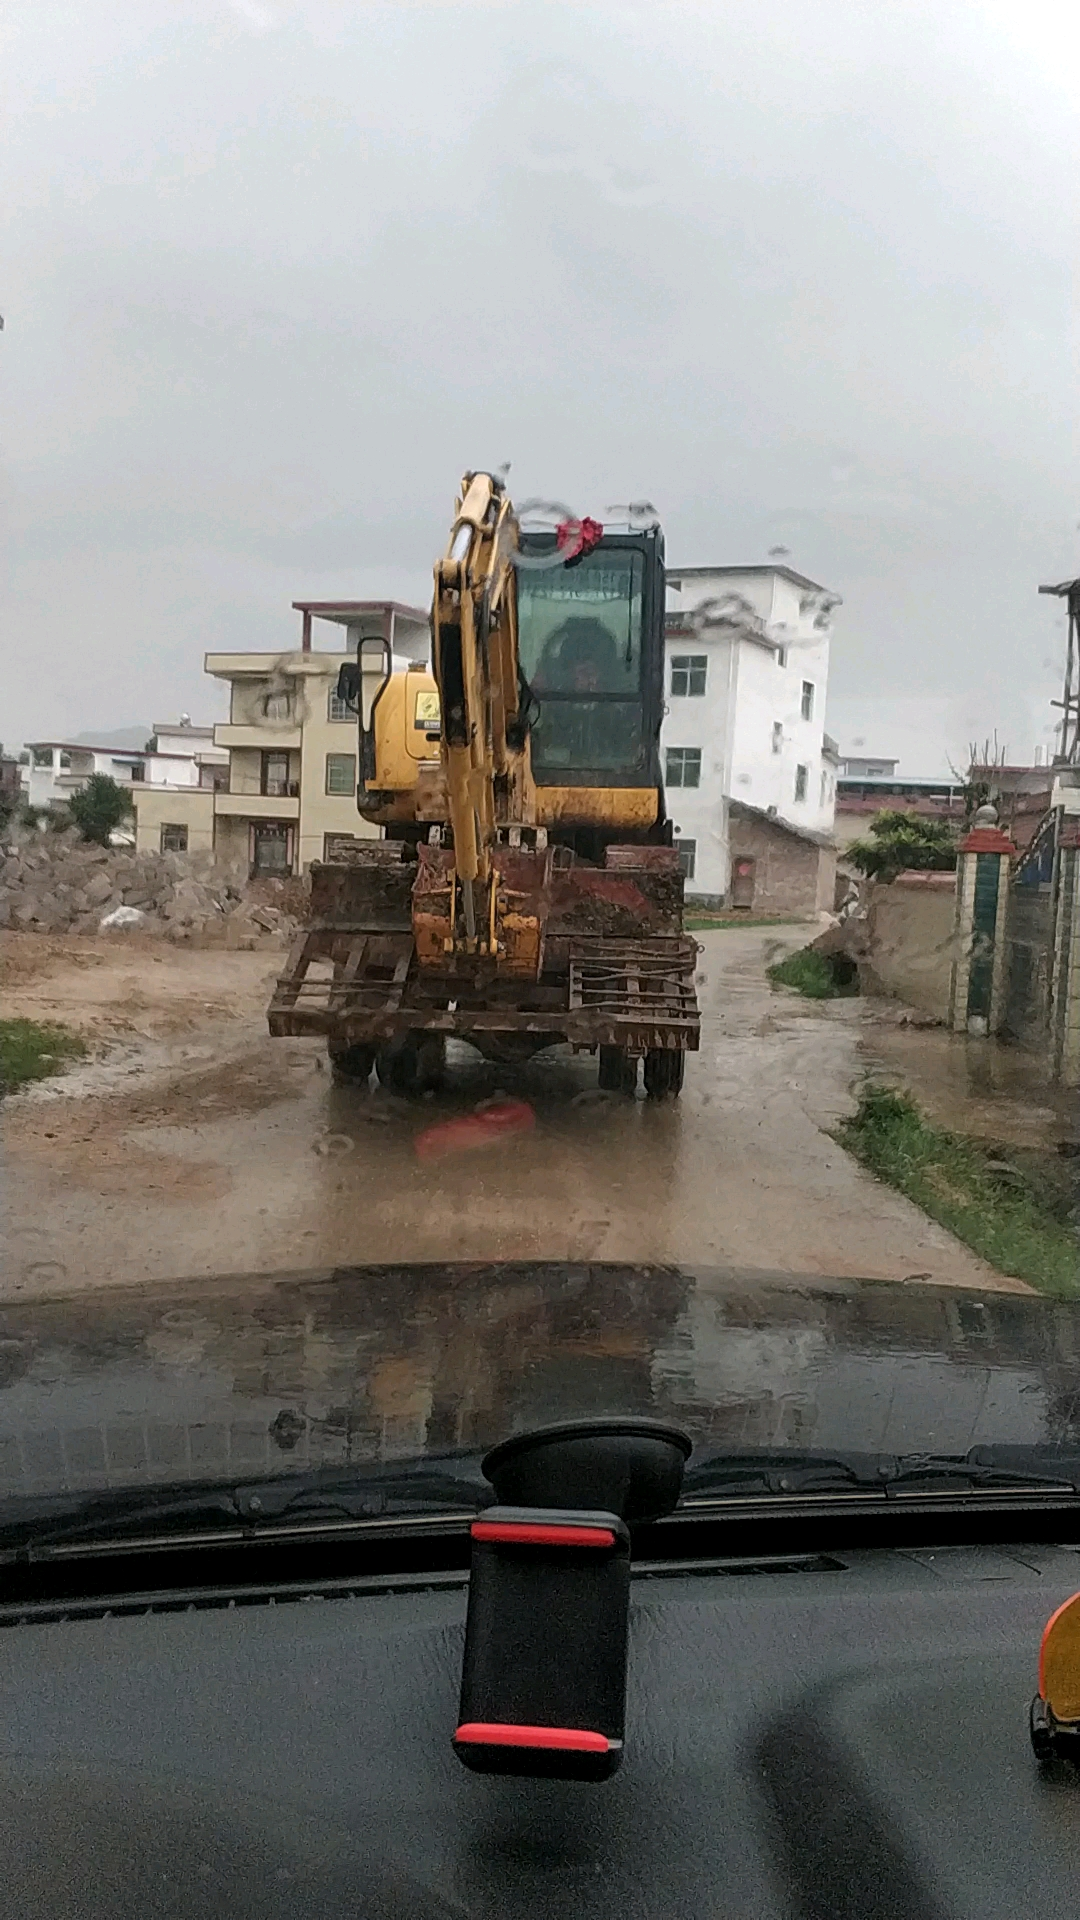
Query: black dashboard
831	1733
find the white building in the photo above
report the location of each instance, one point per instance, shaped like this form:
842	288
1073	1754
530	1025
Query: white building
747	677
182	756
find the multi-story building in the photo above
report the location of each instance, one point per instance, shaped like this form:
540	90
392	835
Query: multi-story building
290	746
748	765
749	770
176	754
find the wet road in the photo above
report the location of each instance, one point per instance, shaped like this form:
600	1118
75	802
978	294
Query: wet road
249	1159
287	1373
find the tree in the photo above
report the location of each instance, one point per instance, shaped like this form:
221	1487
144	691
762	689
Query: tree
903	840
99	807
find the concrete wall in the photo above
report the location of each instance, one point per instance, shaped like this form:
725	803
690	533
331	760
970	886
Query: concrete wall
321	812
156	807
768	695
700	813
910	941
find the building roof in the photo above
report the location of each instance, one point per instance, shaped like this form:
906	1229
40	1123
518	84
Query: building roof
83	746
742	810
675	574
347	611
182	726
901	780
112	753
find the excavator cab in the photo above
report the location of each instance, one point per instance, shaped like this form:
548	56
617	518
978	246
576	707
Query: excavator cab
591	651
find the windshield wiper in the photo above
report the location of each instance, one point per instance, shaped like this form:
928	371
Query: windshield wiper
780	1473
449	1489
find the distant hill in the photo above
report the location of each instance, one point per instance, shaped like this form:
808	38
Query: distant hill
123	737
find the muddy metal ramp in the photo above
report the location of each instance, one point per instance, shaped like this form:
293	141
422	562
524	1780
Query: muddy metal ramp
354	987
618	970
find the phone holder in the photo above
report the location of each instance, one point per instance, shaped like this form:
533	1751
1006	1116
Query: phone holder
543	1685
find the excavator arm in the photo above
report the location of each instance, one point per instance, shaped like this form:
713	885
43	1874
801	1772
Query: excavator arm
475	664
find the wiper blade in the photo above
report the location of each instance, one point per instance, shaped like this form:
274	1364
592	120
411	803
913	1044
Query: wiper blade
981	1471
781	1473
444	1489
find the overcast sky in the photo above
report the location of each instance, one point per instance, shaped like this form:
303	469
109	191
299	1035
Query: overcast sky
801	272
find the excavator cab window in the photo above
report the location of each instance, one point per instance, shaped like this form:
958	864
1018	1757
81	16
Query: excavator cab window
580	640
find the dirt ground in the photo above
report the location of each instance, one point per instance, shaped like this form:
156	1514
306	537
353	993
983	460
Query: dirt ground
191	1145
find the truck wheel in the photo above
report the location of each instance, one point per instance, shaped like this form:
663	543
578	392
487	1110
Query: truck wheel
414	1065
618	1070
351	1063
664	1067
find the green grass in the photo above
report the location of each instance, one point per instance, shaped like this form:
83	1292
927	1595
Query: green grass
705	922
1010	1207
818	976
31	1052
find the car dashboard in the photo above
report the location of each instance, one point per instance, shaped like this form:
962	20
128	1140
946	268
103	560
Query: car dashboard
836	1732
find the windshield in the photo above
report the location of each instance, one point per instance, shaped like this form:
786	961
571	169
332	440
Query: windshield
417	1027
580	633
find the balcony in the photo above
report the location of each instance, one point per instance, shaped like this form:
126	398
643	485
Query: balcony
268	737
258	806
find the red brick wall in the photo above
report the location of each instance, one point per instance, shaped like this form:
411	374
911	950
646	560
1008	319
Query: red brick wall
791	875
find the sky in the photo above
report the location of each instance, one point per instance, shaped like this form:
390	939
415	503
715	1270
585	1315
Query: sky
799	272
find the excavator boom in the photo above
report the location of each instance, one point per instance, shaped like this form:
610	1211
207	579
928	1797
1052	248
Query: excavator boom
474	660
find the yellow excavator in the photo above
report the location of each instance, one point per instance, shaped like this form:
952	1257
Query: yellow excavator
525	890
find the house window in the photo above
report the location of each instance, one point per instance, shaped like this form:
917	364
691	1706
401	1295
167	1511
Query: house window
781	656
276	707
341	773
688	673
337	708
802	776
271	848
275	774
174	839
687	852
824	787
138	770
65	761
42	756
684	767
216	778
777	736
807	699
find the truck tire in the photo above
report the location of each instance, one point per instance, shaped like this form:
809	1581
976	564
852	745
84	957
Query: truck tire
351	1062
617	1072
414	1065
664	1068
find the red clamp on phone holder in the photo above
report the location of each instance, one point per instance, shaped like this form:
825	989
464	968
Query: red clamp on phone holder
543	1684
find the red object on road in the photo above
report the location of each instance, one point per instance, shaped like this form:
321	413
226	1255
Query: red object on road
481	1129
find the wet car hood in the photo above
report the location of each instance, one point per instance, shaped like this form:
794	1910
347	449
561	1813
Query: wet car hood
274	1374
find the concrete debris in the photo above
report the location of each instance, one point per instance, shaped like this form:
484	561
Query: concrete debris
56	883
123	917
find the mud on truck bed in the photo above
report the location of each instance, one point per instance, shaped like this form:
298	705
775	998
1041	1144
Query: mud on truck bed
616	970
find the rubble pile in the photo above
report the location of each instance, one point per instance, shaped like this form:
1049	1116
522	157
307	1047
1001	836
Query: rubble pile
56	883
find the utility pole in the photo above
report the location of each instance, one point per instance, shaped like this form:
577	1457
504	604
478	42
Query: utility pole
1068	753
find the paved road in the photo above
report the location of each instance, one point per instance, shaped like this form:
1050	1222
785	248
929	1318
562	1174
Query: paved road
242	1156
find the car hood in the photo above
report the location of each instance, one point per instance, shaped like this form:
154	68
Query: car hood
269	1374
